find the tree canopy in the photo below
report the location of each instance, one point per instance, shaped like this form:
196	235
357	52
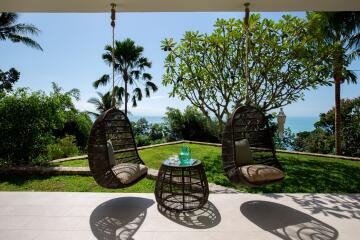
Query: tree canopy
31	121
208	69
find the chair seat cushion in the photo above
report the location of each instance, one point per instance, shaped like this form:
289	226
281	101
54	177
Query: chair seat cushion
129	172
259	173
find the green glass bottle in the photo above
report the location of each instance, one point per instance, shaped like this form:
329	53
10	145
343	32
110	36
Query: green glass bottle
185	155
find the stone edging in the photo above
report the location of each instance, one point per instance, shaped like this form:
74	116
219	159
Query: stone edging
82	171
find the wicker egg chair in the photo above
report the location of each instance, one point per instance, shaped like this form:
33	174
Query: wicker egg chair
126	168
250	123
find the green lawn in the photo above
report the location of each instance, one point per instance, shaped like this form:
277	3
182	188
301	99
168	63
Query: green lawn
65	184
304	174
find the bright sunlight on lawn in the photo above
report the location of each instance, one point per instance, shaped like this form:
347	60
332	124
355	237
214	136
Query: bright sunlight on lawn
304	174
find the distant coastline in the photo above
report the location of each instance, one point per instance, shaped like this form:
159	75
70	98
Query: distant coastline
296	124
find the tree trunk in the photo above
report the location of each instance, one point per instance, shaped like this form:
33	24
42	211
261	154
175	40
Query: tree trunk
126	97
337	115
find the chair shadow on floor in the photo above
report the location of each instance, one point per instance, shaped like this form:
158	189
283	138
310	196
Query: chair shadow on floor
119	218
206	217
285	222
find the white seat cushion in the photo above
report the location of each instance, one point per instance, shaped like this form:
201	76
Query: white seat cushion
259	173
129	172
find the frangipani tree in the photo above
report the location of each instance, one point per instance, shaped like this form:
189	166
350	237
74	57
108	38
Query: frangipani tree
208	69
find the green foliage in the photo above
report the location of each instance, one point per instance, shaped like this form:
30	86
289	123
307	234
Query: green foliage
8	79
317	141
64	147
191	125
208	69
322	139
286	142
17	32
157	131
146	133
142	140
340	33
131	65
79	125
140	127
30	121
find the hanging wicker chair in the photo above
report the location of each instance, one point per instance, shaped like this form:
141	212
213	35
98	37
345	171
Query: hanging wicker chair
251	124
119	165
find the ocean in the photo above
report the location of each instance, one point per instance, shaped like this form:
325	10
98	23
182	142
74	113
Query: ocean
296	124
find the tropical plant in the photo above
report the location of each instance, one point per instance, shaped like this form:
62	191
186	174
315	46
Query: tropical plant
341	31
29	122
131	65
8	79
190	125
103	102
209	69
17	33
322	139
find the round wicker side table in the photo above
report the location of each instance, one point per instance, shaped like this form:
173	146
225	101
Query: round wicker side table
181	188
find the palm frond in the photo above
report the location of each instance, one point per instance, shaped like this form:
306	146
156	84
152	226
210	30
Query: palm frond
152	86
17	32
25	40
350	76
134	102
138	94
146	76
102	81
7	19
93	114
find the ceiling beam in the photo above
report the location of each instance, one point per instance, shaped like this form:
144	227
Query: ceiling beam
177	5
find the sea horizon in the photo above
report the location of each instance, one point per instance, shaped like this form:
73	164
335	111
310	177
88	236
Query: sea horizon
296	124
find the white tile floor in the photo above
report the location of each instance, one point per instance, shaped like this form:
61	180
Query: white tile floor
40	215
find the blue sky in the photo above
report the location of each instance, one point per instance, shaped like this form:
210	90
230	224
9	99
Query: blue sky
73	45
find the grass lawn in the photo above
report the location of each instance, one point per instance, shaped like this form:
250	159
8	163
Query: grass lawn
304	174
65	184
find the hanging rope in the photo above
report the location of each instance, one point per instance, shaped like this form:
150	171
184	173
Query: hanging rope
113	14
247	73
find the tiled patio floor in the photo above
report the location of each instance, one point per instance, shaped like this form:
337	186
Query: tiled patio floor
51	215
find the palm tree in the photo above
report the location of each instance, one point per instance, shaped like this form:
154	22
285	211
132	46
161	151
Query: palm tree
103	102
340	30
130	65
16	32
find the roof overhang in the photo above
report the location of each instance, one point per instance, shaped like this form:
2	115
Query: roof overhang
177	5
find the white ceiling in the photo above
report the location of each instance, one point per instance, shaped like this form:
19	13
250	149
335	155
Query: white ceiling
177	5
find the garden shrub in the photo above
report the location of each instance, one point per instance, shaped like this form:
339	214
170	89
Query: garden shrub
29	121
64	147
322	139
191	125
149	133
